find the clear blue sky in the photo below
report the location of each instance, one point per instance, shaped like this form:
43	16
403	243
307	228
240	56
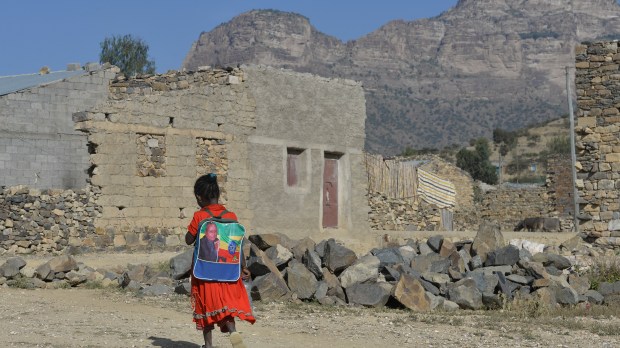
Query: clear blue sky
53	33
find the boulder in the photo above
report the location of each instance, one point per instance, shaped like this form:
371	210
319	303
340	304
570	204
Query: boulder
364	269
508	255
411	294
338	257
63	263
430	263
11	267
388	256
466	294
549	259
369	294
312	261
434	243
300	248
268	240
181	264
488	238
269	287
301	281
279	255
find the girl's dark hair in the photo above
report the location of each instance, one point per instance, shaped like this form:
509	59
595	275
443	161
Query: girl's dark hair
206	187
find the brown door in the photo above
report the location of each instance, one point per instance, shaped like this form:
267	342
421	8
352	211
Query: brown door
330	193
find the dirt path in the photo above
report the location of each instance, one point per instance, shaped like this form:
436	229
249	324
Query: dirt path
106	318
114	318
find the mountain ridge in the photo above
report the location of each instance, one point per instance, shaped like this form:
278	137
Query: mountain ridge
480	65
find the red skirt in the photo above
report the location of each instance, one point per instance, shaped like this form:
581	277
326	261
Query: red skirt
219	302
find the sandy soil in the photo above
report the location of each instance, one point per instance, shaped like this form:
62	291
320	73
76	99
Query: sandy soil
114	318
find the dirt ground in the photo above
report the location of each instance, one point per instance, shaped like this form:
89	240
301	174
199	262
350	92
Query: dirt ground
114	318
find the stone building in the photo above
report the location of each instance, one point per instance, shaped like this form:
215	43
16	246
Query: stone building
287	148
38	144
598	139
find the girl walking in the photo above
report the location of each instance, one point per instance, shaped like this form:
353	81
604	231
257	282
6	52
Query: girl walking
216	302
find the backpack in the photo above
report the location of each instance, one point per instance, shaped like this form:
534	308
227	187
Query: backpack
218	249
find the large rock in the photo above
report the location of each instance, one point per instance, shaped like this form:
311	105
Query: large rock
364	269
430	263
338	257
549	259
508	255
11	267
333	285
181	264
466	294
411	294
488	238
260	264
301	281
63	263
269	287
388	256
369	294
300	248
312	261
279	255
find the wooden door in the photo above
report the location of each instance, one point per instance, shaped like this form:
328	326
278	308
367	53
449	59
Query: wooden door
330	193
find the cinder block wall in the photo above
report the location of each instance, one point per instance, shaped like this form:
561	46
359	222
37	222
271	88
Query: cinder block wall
38	145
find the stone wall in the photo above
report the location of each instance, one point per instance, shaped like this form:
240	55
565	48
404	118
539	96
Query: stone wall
598	137
509	205
38	145
559	185
156	135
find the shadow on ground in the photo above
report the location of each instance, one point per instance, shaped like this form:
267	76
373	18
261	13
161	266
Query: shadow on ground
168	343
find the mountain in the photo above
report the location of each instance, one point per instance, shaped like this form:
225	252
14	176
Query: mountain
433	82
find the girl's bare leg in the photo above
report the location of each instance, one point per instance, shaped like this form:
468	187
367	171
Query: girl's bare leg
207	333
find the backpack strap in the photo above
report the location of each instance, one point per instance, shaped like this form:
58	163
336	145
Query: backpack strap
213	216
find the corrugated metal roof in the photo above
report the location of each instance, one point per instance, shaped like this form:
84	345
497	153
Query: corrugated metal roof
10	84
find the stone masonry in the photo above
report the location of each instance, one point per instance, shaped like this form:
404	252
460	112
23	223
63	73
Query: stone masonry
38	145
598	139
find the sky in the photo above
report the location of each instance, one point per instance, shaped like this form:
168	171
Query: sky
37	33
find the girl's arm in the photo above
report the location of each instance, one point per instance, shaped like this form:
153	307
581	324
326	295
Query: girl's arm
189	238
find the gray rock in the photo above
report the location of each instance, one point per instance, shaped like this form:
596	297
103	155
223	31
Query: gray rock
508	255
300	248
475	262
183	288
44	272
269	287
466	294
338	257
607	289
485	283
594	297
301	281
565	295
519	279
11	267
74	278
320	248
425	249
488	238
364	269
450	306
430	263
279	255
156	290
260	264
369	294
492	270
549	259
407	252
333	285
181	264
388	257
435	242
312	261
321	290
437	279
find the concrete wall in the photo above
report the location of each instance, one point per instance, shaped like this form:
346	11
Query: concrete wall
598	138
321	116
38	145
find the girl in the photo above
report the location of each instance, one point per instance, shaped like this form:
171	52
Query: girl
216	302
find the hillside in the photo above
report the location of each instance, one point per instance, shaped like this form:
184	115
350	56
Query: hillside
433	82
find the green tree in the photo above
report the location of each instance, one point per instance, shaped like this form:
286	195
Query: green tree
128	53
477	163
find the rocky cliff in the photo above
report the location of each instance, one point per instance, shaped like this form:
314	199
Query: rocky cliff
432	82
